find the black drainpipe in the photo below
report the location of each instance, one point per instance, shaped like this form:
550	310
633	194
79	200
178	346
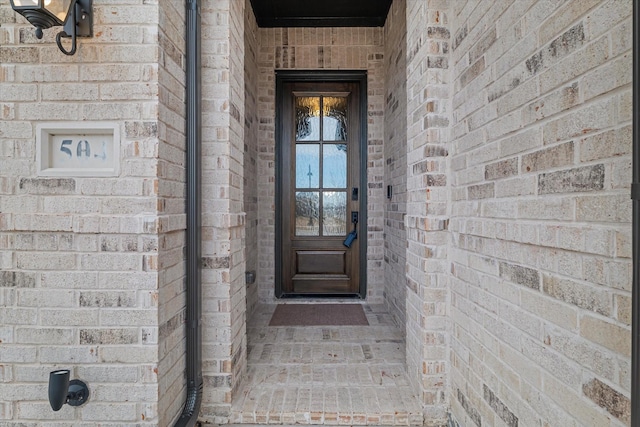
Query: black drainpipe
635	196
189	416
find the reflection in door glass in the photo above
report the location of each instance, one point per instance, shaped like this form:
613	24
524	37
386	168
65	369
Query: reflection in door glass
307	213
307	118
307	165
334	213
334	166
335	118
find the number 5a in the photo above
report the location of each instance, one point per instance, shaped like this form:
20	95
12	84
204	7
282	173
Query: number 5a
64	147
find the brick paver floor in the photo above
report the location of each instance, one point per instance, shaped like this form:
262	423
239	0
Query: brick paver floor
349	375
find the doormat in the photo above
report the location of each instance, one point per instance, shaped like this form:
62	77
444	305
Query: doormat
319	315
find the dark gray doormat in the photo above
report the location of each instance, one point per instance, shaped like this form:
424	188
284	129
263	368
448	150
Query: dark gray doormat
319	315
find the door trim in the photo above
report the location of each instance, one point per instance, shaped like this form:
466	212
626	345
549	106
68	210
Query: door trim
359	77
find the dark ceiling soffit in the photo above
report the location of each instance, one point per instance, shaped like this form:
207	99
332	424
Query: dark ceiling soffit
325	13
307	21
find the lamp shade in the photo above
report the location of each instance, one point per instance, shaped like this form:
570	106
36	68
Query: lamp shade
24	3
43	14
58	388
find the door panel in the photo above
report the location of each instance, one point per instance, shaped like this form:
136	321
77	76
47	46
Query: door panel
319	148
321	262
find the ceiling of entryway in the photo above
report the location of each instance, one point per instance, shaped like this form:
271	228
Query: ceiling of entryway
321	13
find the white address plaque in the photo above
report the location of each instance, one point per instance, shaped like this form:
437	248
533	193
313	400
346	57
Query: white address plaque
78	149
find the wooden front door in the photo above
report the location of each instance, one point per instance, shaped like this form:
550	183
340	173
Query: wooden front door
319	153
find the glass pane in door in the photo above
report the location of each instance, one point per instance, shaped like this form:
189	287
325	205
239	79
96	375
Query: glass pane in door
307	165
334	166
334	120
307	215
307	118
334	213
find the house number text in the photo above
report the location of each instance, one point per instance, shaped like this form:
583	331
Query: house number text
81	151
78	149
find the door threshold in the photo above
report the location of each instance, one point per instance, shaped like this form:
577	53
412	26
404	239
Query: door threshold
298	297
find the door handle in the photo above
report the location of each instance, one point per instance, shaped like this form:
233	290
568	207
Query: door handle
354	234
350	238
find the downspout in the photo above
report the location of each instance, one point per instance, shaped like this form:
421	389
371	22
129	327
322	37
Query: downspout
635	196
189	416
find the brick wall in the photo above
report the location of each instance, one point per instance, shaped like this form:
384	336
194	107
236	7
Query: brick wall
321	48
80	257
171	172
517	120
251	124
540	175
395	164
224	291
428	109
237	227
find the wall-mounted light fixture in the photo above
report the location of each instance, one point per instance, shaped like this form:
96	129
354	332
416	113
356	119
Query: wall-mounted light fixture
61	390
75	15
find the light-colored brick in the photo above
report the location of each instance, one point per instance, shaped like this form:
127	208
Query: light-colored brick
17	354
45	261
111	412
607	334
490	119
556	111
572	402
604	208
109	374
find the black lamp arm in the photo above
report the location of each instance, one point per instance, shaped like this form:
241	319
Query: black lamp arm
72	23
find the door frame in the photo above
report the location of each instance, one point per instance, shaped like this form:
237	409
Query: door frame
289	76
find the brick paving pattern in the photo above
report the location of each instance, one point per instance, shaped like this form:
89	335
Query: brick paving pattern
351	375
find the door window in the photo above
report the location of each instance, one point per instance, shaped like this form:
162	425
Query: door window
321	163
